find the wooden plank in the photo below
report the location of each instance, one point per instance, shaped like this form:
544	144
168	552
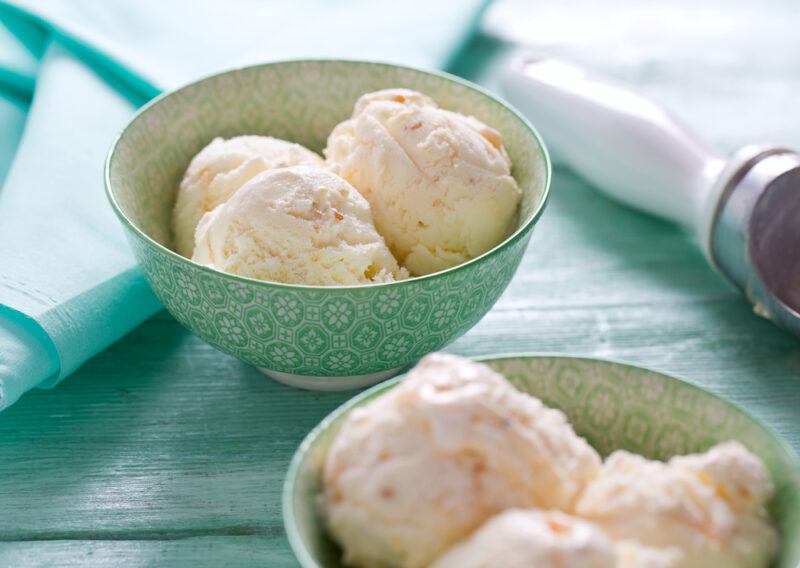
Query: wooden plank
256	551
161	431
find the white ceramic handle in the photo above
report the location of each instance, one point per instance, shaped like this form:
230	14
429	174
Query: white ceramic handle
620	142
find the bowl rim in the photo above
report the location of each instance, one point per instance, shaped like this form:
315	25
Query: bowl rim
518	233
290	481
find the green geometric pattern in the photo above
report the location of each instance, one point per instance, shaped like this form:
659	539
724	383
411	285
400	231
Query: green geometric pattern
350	331
298	329
612	405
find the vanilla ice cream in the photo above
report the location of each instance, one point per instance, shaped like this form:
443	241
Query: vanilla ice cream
220	169
439	182
710	506
532	538
422	466
300	225
736	475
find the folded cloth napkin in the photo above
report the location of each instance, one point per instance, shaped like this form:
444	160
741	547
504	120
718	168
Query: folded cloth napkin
71	74
17	70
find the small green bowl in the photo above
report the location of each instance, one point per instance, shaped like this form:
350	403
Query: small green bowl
612	405
325	338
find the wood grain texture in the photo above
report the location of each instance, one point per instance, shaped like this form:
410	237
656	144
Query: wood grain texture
255	551
163	451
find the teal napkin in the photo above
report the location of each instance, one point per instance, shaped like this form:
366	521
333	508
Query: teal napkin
71	74
17	71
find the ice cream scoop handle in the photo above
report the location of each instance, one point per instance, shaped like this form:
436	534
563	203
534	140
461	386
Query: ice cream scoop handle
622	143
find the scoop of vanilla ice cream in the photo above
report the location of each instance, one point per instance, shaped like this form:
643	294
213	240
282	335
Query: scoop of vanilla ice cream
439	182
298	225
691	503
736	475
422	466
220	169
530	538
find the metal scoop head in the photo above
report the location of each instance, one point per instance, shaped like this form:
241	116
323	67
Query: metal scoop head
755	238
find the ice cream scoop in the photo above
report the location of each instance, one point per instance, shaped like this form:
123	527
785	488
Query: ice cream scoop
300	225
219	170
524	538
439	182
548	539
709	506
737	476
422	466
744	210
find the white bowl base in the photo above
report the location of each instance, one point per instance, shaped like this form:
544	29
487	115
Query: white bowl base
310	382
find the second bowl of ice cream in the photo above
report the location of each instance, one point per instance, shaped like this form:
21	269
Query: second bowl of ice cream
386	283
545	461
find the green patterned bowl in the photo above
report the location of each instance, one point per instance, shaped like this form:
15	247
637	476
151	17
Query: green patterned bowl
325	338
613	405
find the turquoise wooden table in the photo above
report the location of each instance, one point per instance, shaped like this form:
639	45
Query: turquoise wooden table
163	451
